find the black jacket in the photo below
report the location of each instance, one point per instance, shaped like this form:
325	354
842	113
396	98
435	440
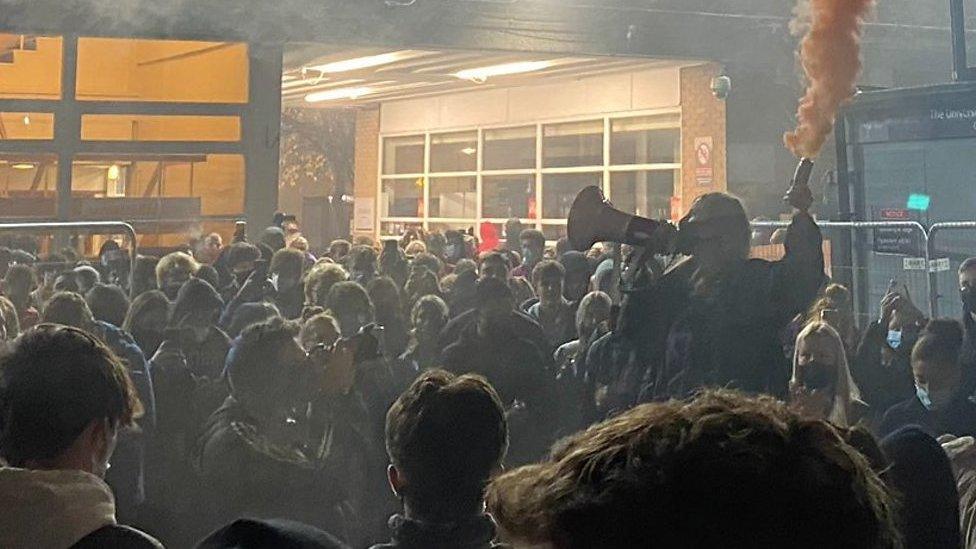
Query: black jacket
882	385
730	337
117	536
958	418
522	324
473	533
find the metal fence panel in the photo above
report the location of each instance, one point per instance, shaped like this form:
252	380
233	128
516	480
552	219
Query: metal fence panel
949	245
867	257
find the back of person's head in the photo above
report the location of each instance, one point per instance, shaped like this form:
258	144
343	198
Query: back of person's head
594	309
253	371
54	383
490	291
240	253
720	470
351	306
108	303
196	297
208	274
319	329
288	262
19	278
252	533
363	258
339	248
87	277
432	262
144	274
940	342
249	314
180	264
146	308
429	304
68	309
385	295
920	471
445	437
465	265
320	279
273	237
415	247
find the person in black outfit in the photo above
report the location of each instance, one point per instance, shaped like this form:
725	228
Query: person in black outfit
494	347
967	292
288	441
65	396
941	405
713	319
445	436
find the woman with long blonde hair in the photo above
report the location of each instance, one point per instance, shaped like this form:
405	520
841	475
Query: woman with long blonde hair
821	385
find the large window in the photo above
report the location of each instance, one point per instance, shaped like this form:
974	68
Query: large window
532	172
159	142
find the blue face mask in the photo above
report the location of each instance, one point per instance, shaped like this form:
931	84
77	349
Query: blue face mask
894	339
923	396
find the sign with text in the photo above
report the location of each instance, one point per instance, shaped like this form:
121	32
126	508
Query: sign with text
704	172
900	240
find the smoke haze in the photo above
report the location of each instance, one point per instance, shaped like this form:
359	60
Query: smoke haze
830	53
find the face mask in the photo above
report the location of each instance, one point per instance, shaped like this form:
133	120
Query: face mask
817	375
172	290
529	255
894	339
968	296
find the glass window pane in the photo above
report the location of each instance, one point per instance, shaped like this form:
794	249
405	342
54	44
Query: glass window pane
646	140
559	191
30	67
454	152
402	198
453	197
403	154
398	228
127	69
509	148
554	232
26	125
443	227
572	144
171	187
505	196
127	127
645	193
28	186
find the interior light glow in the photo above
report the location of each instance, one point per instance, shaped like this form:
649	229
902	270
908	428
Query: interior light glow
358	63
482	74
338	93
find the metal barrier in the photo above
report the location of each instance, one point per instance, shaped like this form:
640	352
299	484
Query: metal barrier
947	250
866	256
89	226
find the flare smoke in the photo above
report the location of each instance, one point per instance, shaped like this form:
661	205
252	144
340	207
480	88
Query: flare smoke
830	54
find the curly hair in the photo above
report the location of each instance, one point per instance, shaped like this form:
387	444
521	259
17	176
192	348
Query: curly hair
719	470
320	279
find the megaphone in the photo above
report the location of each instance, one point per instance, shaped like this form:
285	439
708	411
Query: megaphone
593	219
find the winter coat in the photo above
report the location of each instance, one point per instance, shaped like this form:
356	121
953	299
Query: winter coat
60	509
730	335
473	533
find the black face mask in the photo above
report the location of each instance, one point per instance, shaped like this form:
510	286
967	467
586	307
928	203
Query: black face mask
818	375
968	296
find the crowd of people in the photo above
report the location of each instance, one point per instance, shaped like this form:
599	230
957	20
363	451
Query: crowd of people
444	391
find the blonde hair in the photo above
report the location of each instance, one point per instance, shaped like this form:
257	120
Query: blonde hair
845	390
173	261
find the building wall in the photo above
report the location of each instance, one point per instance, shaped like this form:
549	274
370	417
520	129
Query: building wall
702	122
367	168
649	89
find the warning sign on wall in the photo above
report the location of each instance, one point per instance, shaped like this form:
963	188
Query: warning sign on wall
704	173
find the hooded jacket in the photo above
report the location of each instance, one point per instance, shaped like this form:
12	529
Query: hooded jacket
60	509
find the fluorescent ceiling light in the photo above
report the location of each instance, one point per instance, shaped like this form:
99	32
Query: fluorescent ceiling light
338	93
23	166
484	73
358	63
469	151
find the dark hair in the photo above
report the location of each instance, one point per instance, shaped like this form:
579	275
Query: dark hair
108	303
429	260
339	248
720	470
548	269
464	265
53	383
20	273
385	295
251	365
362	257
273	237
249	314
208	274
534	235
940	341
288	261
967	265
497	256
242	252
140	307
348	295
68	309
489	290
446	435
